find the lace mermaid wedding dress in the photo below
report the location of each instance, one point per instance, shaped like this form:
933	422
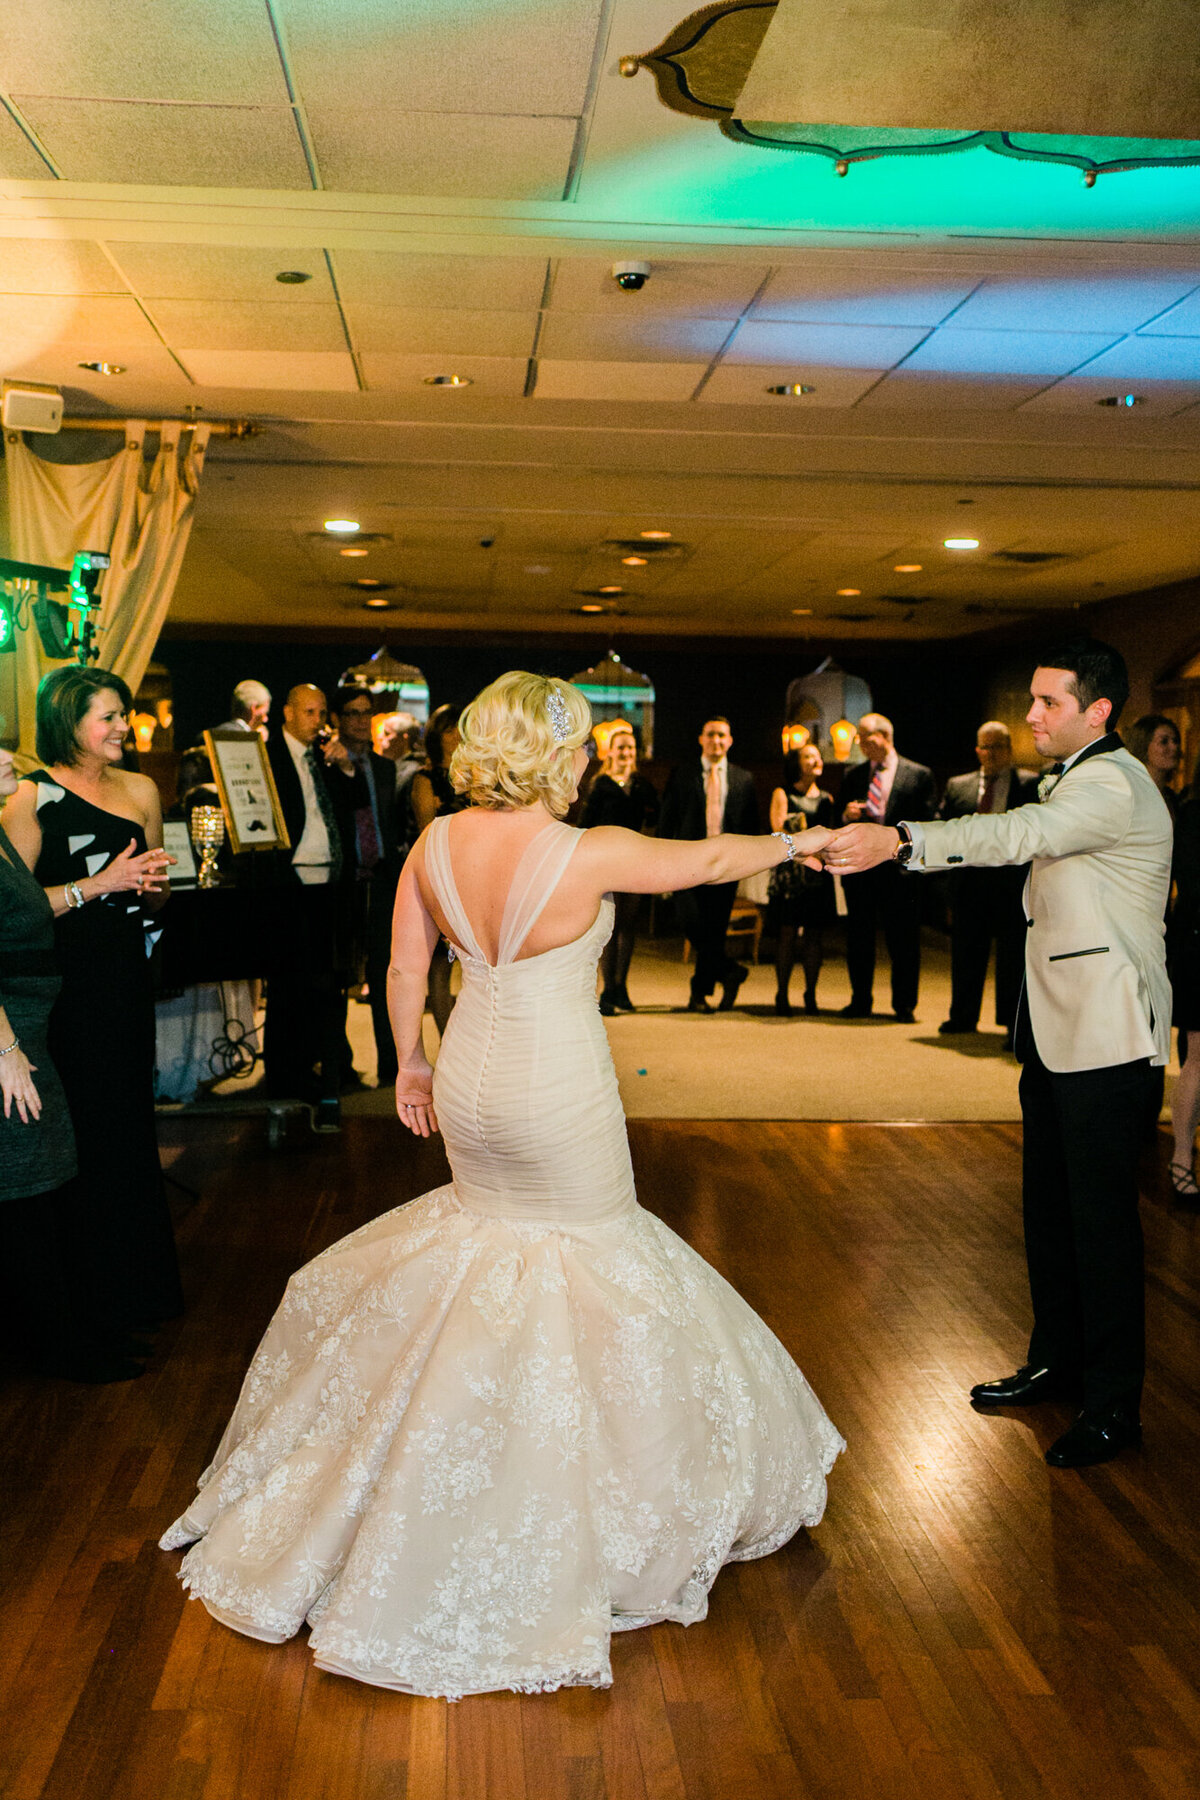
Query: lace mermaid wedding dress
517	1414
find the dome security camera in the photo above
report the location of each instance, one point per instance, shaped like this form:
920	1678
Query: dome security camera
631	275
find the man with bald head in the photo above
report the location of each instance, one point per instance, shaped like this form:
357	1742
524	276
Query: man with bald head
883	787
985	904
302	1039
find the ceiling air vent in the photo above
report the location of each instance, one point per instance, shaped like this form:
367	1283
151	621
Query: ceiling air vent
1030	557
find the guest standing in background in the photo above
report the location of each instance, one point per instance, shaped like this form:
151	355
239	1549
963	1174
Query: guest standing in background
372	805
985	904
620	796
251	708
302	1034
1154	740
702	799
432	794
1183	953
802	901
879	790
400	742
91	833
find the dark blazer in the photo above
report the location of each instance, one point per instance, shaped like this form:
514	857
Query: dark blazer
683	810
912	794
351	792
962	793
291	799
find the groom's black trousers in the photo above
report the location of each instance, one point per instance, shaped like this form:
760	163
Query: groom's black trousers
1083	1233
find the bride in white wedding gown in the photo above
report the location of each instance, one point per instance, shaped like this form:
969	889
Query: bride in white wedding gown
517	1414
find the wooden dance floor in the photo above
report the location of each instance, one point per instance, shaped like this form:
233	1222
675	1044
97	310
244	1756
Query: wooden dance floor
964	1625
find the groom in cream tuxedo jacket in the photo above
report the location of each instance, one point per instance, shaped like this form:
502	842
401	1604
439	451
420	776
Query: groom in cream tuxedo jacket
1094	1019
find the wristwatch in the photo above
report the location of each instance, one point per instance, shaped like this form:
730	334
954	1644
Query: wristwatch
904	849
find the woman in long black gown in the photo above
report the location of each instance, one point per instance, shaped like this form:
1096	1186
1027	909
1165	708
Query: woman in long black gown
92	834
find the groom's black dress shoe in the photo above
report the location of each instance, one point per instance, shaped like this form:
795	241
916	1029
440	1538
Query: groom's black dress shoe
1095	1438
698	1003
1028	1387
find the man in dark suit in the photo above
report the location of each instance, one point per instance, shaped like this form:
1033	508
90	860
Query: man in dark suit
702	799
985	904
306	975
882	788
371	805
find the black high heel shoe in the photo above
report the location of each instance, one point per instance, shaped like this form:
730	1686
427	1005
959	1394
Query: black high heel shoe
1184	1185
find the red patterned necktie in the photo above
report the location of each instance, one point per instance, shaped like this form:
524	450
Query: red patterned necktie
875	806
987	800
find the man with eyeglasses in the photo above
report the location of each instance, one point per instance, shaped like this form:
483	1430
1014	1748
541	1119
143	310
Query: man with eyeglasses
370	802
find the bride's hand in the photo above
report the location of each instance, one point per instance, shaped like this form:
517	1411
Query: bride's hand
414	1098
809	845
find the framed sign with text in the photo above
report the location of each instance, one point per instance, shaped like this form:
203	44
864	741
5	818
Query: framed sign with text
247	788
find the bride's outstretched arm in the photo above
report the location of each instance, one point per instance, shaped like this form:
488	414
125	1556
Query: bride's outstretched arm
625	862
414	937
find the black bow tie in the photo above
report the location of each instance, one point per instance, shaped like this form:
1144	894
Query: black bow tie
1055	769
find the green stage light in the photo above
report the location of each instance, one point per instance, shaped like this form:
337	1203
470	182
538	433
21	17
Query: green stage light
8	627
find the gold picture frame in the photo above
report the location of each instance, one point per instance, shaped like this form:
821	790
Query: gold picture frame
249	798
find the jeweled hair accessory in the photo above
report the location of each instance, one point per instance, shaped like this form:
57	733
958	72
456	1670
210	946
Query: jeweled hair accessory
560	718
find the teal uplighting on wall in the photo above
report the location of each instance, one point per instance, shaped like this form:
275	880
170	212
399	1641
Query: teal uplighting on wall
696	177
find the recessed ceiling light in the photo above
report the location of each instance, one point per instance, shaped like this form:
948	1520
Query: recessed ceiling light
377	603
907	568
353	550
1122	400
610	590
293	277
448	381
793	389
368	581
849	593
104	368
634	562
802	612
592	607
342	525
657	536
961	543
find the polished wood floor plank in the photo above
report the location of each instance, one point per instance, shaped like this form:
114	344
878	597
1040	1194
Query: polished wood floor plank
964	1625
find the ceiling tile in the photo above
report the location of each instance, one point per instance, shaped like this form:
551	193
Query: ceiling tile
922	392
499	376
221	272
443	54
1109	300
249	325
831	346
1082	394
1022	354
149	369
452	154
617	380
56	266
133	51
583	337
1181	321
308	372
860	294
746	384
409	331
171	146
1160	358
19	161
702	290
28	321
484	283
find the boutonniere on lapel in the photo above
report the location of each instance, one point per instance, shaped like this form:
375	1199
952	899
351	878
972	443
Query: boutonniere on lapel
1050	781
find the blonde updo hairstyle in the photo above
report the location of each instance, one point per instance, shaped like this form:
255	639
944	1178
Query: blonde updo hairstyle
508	755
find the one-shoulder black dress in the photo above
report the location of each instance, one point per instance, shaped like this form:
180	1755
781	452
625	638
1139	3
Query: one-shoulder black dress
102	1042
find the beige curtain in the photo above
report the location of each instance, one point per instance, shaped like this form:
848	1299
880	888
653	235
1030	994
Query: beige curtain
140	513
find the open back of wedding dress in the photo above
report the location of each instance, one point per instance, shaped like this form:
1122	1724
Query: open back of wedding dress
518	1413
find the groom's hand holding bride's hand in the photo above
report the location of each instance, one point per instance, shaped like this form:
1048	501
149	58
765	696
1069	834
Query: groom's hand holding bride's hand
858	847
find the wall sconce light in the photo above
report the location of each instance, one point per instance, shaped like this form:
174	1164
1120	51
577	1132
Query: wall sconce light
166	717
842	735
795	737
144	727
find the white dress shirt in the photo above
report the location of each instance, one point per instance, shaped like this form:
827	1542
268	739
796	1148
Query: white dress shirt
312	858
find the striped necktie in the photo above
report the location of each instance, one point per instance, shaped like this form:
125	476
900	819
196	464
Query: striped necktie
875	805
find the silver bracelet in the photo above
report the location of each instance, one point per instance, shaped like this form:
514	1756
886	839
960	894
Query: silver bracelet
74	894
788	842
9	1048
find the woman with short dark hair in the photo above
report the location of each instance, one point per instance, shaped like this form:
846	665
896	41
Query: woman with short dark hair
91	832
